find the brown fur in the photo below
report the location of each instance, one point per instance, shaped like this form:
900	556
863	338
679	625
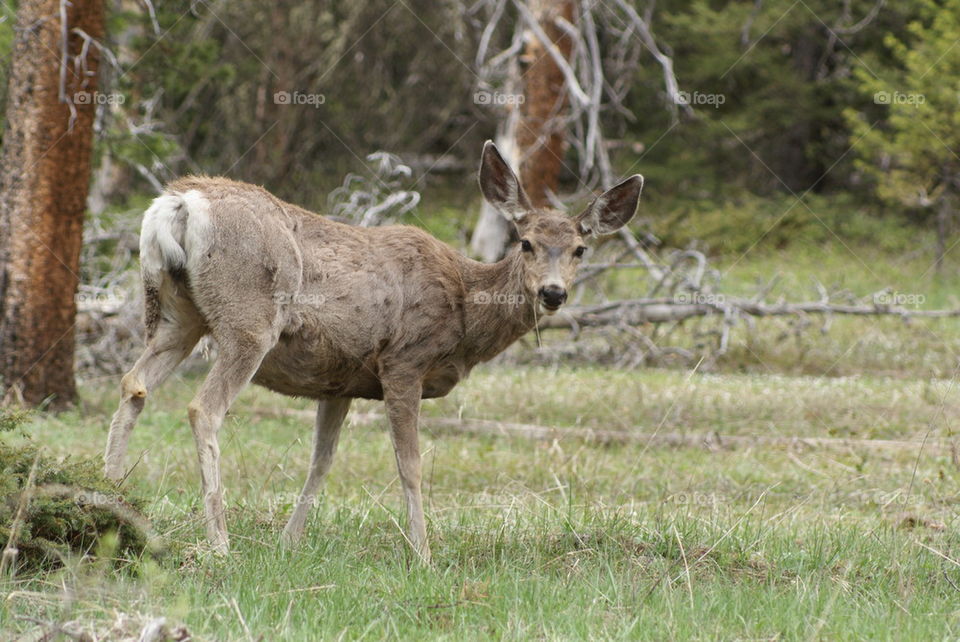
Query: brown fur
310	307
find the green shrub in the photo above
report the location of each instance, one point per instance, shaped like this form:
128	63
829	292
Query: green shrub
72	508
740	223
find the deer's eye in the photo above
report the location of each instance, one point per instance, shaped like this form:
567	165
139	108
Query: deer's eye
526	246
579	251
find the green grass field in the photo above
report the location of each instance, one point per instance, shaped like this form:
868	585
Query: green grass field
805	488
557	538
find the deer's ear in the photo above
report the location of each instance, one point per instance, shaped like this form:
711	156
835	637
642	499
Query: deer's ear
500	186
613	209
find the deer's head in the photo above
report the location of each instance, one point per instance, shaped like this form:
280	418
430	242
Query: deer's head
552	243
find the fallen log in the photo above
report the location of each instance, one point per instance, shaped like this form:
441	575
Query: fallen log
711	440
664	310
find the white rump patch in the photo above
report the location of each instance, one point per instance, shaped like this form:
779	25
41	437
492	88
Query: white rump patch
159	247
176	231
199	232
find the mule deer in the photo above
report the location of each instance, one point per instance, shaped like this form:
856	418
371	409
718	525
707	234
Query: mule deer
310	307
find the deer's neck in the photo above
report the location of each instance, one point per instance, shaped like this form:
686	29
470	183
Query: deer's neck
497	309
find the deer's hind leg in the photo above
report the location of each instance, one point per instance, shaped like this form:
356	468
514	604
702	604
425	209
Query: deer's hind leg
171	343
240	355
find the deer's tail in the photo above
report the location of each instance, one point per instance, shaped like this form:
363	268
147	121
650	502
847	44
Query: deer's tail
175	229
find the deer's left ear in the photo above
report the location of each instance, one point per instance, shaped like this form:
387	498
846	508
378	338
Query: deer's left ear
613	209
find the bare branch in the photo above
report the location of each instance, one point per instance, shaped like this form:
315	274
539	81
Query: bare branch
573	86
646	37
488	33
663	310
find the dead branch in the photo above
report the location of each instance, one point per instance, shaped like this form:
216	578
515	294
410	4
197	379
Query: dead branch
573	85
669	78
664	310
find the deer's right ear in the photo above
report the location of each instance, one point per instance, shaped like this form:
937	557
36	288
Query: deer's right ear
500	186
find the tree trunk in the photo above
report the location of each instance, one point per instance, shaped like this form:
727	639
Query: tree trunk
44	176
539	131
534	131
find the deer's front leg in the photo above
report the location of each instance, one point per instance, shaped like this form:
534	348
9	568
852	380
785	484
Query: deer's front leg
402	399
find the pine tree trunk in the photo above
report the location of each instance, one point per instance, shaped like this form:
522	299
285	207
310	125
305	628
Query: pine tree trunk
44	177
535	126
539	132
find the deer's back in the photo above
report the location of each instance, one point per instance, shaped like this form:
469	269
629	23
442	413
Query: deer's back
352	304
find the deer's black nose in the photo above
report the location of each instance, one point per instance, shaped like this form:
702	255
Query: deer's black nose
553	296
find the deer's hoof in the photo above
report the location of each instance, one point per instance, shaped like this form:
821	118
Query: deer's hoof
291	537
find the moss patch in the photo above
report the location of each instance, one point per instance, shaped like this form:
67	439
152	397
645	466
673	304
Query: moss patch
72	508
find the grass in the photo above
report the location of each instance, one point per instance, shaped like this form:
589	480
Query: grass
844	528
563	539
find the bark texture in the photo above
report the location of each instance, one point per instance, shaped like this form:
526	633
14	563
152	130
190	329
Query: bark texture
540	132
44	177
532	135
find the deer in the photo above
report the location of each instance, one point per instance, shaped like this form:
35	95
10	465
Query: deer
311	307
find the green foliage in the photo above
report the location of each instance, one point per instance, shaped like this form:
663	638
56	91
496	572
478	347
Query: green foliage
772	79
8	19
13	419
746	222
157	70
906	141
380	75
72	508
779	91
